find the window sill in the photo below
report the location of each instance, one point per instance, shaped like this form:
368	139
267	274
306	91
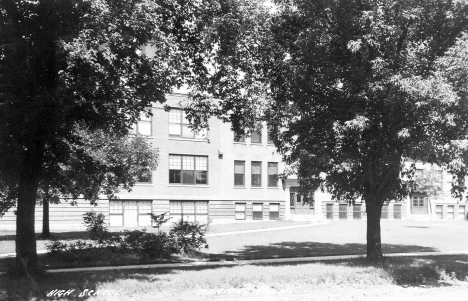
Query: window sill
144	136
243	143
257	187
184	185
240	187
187	139
273	187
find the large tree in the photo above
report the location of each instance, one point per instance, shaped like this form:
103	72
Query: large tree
352	89
79	63
361	87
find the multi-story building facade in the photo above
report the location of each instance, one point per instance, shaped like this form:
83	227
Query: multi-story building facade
212	177
205	176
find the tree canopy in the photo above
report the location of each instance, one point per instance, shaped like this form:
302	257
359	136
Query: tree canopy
74	63
352	89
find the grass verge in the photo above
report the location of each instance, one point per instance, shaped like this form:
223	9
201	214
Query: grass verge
269	279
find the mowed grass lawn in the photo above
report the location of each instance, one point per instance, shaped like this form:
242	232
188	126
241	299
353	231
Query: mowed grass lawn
344	238
334	280
352	279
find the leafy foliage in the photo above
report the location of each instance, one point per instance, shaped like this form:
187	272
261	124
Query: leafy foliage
183	237
96	225
188	236
84	65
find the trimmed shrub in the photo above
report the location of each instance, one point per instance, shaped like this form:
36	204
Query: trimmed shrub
188	236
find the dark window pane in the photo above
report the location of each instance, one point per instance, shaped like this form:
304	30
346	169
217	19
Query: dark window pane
256	180
256	137
269	140
174	176
272	181
256	173
145	176
240	139
272	174
202	177
239	179
188	177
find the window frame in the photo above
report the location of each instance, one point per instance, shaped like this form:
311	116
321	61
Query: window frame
237	211
194	170
181	123
252	174
136	125
139	181
243	174
274	217
260	137
275	182
240	140
257	216
269	141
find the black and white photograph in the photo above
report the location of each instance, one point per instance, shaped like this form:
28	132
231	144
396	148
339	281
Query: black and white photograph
229	150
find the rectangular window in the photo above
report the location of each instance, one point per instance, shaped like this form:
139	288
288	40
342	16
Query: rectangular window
450	211
191	170
461	211
179	126
397	211
241	138
384	214
357	211
274	211
145	176
239	173
269	140
272	174
439	209
189	211
329	211
418	201
256	137
240	211
256	174
257	211
143	126
343	211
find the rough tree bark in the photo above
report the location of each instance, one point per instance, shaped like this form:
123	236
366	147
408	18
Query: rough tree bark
26	254
374	242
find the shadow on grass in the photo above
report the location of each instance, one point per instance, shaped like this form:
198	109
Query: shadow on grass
401	270
311	249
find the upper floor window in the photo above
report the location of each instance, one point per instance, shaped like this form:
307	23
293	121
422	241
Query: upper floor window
272	174
269	140
179	126
143	126
145	176
240	139
191	170
256	174
256	137
239	173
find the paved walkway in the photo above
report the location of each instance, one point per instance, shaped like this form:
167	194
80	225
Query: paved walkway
247	262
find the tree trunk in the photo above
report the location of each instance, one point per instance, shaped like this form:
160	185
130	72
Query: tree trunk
45	218
374	242
26	255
